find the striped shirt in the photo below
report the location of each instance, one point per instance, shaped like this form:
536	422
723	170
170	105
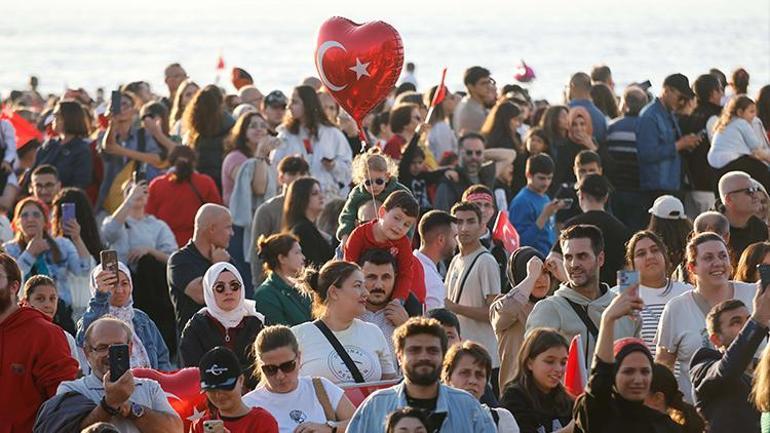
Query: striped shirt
654	301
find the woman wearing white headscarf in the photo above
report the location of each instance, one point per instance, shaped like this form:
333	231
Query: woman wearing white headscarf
228	319
114	297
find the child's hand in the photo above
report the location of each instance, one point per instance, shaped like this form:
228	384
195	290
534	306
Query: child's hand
452	175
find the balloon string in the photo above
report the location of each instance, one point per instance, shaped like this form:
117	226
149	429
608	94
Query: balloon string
364	146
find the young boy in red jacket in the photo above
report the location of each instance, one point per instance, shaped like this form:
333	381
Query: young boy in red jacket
34	355
396	217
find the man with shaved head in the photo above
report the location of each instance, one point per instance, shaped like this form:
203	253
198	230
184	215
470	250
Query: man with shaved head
251	95
741	200
213	229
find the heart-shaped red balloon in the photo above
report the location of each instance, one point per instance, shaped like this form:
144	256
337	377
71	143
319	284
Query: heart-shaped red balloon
358	63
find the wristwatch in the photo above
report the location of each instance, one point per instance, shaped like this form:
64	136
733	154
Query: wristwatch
109	409
332	425
137	411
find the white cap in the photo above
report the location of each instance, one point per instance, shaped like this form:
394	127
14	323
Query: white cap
668	207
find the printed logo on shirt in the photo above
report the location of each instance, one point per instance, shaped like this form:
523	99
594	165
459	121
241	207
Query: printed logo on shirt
297	416
363	360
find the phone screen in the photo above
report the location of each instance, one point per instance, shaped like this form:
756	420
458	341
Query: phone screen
68	211
119	361
109	259
115	102
764	275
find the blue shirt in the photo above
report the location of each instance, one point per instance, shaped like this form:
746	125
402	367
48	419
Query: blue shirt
69	261
598	119
523	212
464	413
660	166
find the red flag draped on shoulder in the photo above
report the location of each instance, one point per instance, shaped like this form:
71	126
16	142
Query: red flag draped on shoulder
505	232
24	130
576	374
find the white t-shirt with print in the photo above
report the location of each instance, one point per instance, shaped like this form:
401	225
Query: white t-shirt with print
364	342
293	408
682	330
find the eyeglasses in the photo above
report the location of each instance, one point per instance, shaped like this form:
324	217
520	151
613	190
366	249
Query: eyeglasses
749	191
379	181
221	287
474	152
287	367
100	349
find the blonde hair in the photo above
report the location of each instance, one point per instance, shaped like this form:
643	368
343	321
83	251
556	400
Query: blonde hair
738	102
372	160
760	388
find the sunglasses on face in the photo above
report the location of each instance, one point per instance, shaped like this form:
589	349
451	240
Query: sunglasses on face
474	152
287	367
234	287
749	191
379	182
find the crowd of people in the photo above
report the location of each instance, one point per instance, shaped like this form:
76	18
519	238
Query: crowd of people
260	241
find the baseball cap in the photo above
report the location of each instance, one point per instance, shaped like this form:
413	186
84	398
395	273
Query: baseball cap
219	369
595	185
668	207
276	97
680	83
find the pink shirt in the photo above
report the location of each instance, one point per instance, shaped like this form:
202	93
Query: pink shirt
230	167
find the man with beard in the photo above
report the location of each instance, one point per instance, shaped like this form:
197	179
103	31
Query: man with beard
379	267
34	355
577	306
472	170
420	347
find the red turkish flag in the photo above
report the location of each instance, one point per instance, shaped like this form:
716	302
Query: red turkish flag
576	374
505	232
440	94
220	63
183	390
24	130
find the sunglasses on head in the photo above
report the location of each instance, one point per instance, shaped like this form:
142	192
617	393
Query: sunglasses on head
286	367
234	287
379	181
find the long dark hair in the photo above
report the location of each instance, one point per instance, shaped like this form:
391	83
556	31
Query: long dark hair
74	119
497	126
204	116
313	115
605	100
763	105
674	234
682	413
297	199
550	123
237	139
84	214
537	342
647	234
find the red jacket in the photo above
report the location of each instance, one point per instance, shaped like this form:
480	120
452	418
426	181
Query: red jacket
362	239
35	358
177	203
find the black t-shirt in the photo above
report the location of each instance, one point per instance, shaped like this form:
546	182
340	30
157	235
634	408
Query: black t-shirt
616	234
184	266
740	238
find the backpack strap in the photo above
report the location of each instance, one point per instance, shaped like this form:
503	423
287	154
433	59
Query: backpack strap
343	354
323	398
465	277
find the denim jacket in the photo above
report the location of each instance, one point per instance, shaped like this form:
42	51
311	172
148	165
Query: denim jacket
70	262
660	166
144	327
464	413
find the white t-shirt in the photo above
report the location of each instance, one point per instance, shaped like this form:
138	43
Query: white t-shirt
364	342
654	301
682	330
506	423
295	407
483	280
435	290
